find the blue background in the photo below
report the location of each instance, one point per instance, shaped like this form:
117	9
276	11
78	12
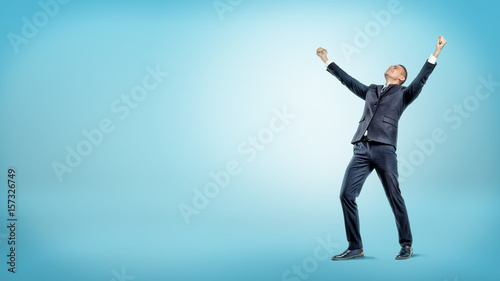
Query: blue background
118	211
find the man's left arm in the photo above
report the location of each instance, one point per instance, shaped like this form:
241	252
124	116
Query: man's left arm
414	89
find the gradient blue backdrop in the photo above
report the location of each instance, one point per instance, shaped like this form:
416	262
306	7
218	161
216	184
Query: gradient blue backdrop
118	210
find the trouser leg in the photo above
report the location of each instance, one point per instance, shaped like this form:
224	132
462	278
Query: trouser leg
356	173
385	163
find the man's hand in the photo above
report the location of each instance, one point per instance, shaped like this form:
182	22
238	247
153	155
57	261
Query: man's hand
439	45
322	54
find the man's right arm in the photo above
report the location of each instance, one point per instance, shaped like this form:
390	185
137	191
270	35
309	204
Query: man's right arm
358	88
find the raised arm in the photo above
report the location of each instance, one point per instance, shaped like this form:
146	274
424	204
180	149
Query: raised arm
414	89
358	88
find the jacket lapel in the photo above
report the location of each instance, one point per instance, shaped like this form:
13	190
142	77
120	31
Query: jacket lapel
379	90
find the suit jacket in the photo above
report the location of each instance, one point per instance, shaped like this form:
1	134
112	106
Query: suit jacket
382	109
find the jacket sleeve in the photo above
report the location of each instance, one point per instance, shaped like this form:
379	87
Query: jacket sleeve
359	89
414	89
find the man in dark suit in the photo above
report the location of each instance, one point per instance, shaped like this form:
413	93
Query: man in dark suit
375	146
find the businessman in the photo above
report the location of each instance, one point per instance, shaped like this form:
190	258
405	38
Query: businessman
375	146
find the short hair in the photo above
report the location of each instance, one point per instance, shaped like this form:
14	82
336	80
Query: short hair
406	73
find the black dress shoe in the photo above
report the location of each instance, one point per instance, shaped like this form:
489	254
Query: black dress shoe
405	253
349	254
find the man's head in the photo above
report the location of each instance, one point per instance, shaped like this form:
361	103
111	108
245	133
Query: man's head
396	73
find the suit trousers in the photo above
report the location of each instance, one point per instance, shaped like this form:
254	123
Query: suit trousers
381	157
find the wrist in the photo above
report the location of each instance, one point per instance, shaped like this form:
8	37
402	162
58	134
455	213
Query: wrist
324	59
436	53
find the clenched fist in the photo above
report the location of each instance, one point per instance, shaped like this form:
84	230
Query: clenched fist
439	46
440	43
322	54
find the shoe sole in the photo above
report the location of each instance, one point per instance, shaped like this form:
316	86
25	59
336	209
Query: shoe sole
351	257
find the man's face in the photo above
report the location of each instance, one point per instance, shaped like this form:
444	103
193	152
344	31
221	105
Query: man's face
396	72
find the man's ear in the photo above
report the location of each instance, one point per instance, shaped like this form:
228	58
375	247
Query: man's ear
402	80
